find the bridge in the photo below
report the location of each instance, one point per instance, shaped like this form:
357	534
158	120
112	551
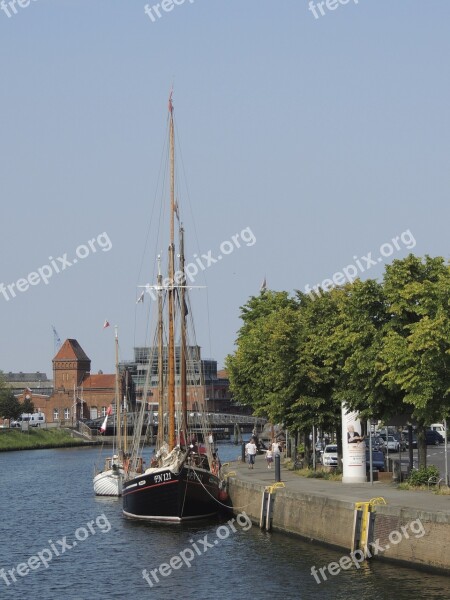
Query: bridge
221	424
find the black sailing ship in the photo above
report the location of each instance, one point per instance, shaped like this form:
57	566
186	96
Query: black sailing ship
184	479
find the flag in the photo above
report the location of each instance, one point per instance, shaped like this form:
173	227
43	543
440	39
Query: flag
105	324
105	422
141	298
176	210
263	287
170	102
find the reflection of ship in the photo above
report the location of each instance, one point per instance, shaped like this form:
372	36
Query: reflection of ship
109	481
183	480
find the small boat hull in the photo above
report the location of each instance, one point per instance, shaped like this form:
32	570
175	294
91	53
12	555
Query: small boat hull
109	483
163	495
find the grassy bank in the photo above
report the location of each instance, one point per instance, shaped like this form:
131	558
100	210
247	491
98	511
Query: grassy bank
36	438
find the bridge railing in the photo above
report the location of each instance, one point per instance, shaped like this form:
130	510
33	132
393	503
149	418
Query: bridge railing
213	419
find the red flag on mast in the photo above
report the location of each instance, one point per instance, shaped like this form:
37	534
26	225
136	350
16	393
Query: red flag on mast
105	422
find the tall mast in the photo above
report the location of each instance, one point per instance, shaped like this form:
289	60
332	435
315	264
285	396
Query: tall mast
125	416
171	348
118	416
183	349
160	358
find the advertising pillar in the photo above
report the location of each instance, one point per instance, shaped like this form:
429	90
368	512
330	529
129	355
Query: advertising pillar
353	448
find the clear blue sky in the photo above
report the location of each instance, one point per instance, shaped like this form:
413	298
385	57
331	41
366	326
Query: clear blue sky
326	137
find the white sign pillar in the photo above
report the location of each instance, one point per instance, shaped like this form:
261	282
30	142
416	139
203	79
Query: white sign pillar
353	449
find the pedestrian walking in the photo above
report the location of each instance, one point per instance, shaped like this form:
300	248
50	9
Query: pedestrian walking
251	450
275	448
269	458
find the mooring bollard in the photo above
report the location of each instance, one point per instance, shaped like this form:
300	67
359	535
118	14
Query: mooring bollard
277	468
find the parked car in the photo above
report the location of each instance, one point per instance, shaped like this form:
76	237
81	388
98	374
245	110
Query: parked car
37	419
378	443
414	441
378	463
330	456
399	437
439	427
393	444
24	417
433	437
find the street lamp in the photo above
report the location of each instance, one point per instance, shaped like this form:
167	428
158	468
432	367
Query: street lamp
446	452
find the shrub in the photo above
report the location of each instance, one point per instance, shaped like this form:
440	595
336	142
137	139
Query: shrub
422	475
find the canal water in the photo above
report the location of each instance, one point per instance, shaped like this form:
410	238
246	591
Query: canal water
49	512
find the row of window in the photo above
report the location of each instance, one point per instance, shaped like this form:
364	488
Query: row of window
56	413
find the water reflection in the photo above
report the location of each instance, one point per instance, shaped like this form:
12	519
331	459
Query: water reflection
47	494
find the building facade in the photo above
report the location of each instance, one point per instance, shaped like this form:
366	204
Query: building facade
76	393
206	387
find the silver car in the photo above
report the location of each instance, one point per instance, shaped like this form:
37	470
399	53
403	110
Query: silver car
330	456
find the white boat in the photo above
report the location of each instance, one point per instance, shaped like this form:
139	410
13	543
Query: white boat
108	482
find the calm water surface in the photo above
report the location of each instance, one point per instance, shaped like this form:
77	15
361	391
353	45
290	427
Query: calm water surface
46	496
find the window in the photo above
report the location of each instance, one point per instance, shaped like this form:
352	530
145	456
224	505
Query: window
67	413
55	414
103	411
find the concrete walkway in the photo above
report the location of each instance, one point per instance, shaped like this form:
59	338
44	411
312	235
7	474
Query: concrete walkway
422	500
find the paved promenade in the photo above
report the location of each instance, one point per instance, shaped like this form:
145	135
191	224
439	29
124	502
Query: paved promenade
422	501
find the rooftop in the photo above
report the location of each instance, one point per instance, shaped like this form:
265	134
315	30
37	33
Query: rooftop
71	350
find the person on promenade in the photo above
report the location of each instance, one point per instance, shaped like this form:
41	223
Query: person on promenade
269	458
251	450
275	448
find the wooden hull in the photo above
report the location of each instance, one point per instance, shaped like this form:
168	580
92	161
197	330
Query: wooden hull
166	496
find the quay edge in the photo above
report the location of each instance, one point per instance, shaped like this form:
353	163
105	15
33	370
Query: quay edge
326	519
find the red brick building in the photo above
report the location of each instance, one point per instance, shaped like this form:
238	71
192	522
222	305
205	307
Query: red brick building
76	393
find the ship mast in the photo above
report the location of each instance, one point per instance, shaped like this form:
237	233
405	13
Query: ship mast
118	415
183	345
160	358
171	345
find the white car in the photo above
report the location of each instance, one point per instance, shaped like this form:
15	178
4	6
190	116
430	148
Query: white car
393	444
330	456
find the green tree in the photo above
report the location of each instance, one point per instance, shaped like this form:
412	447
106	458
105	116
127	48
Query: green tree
416	352
354	346
10	407
27	405
261	368
315	375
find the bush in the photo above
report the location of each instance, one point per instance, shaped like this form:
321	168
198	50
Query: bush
301	449
422	475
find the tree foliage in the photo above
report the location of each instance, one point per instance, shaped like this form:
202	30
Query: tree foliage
10	407
261	369
382	348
